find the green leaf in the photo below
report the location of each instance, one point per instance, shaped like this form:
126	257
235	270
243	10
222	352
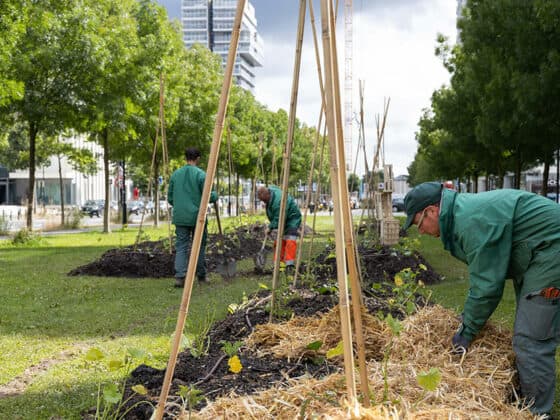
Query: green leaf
111	394
114	364
429	380
316	345
94	354
394	324
137	353
410	307
336	351
140	389
263	286
184	391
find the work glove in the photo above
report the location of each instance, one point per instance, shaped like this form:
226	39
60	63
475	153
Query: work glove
272	233
460	344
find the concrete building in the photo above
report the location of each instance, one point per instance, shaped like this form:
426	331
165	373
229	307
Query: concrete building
210	23
78	187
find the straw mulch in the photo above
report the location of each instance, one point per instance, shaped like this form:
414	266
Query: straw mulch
290	339
476	385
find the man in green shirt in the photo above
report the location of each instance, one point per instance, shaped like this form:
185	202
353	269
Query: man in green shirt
502	234
185	192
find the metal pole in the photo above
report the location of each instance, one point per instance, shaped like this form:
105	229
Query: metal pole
123	194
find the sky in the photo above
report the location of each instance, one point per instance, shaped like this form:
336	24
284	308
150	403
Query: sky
393	56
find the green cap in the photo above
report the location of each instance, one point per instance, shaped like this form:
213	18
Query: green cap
419	198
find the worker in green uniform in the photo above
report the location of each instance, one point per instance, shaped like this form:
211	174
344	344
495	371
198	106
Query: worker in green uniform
184	194
272	196
502	234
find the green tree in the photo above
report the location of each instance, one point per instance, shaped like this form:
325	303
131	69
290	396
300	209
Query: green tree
49	61
12	27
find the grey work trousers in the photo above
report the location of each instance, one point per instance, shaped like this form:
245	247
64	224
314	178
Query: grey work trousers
535	339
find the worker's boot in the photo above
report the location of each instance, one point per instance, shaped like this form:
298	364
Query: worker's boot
179	282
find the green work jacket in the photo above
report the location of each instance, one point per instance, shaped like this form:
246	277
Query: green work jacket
184	194
502	234
293	215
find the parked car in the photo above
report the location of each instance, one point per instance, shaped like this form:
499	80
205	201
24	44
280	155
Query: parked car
552	196
398	204
93	207
135	206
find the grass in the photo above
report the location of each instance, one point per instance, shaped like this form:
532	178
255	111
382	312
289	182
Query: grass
47	316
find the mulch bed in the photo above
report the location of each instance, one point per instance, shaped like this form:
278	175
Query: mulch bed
209	373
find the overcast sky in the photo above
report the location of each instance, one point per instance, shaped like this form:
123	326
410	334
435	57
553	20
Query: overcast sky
394	42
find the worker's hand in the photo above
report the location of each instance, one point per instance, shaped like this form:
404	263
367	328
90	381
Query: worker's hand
272	233
460	344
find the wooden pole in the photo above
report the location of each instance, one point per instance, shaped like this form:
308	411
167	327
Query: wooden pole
321	112
308	196
331	110
166	175
355	284
154	154
287	154
201	220
321	159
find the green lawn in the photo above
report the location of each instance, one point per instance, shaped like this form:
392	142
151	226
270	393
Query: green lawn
51	320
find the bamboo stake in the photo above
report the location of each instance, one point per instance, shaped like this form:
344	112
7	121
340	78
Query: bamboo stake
321	111
310	252
308	196
166	175
154	154
355	282
230	169
331	109
273	170
380	131
287	154
201	220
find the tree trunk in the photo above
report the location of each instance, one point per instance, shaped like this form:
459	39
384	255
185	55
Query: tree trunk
156	194
61	190
31	187
237	194
107	208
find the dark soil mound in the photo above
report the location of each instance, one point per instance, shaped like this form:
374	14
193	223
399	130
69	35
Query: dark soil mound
210	373
154	259
379	264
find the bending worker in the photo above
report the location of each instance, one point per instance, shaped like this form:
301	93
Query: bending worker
184	194
502	234
272	197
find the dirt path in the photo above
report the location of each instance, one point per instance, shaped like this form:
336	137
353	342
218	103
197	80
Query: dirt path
20	383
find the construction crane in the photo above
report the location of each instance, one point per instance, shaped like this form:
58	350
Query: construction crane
348	115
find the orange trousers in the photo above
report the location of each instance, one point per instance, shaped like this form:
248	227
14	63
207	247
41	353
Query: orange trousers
288	252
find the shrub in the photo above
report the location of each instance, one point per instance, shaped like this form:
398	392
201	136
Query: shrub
73	219
26	237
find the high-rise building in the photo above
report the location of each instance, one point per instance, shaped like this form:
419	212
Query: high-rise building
460	5
210	23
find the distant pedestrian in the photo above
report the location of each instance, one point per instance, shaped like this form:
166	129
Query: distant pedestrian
185	193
